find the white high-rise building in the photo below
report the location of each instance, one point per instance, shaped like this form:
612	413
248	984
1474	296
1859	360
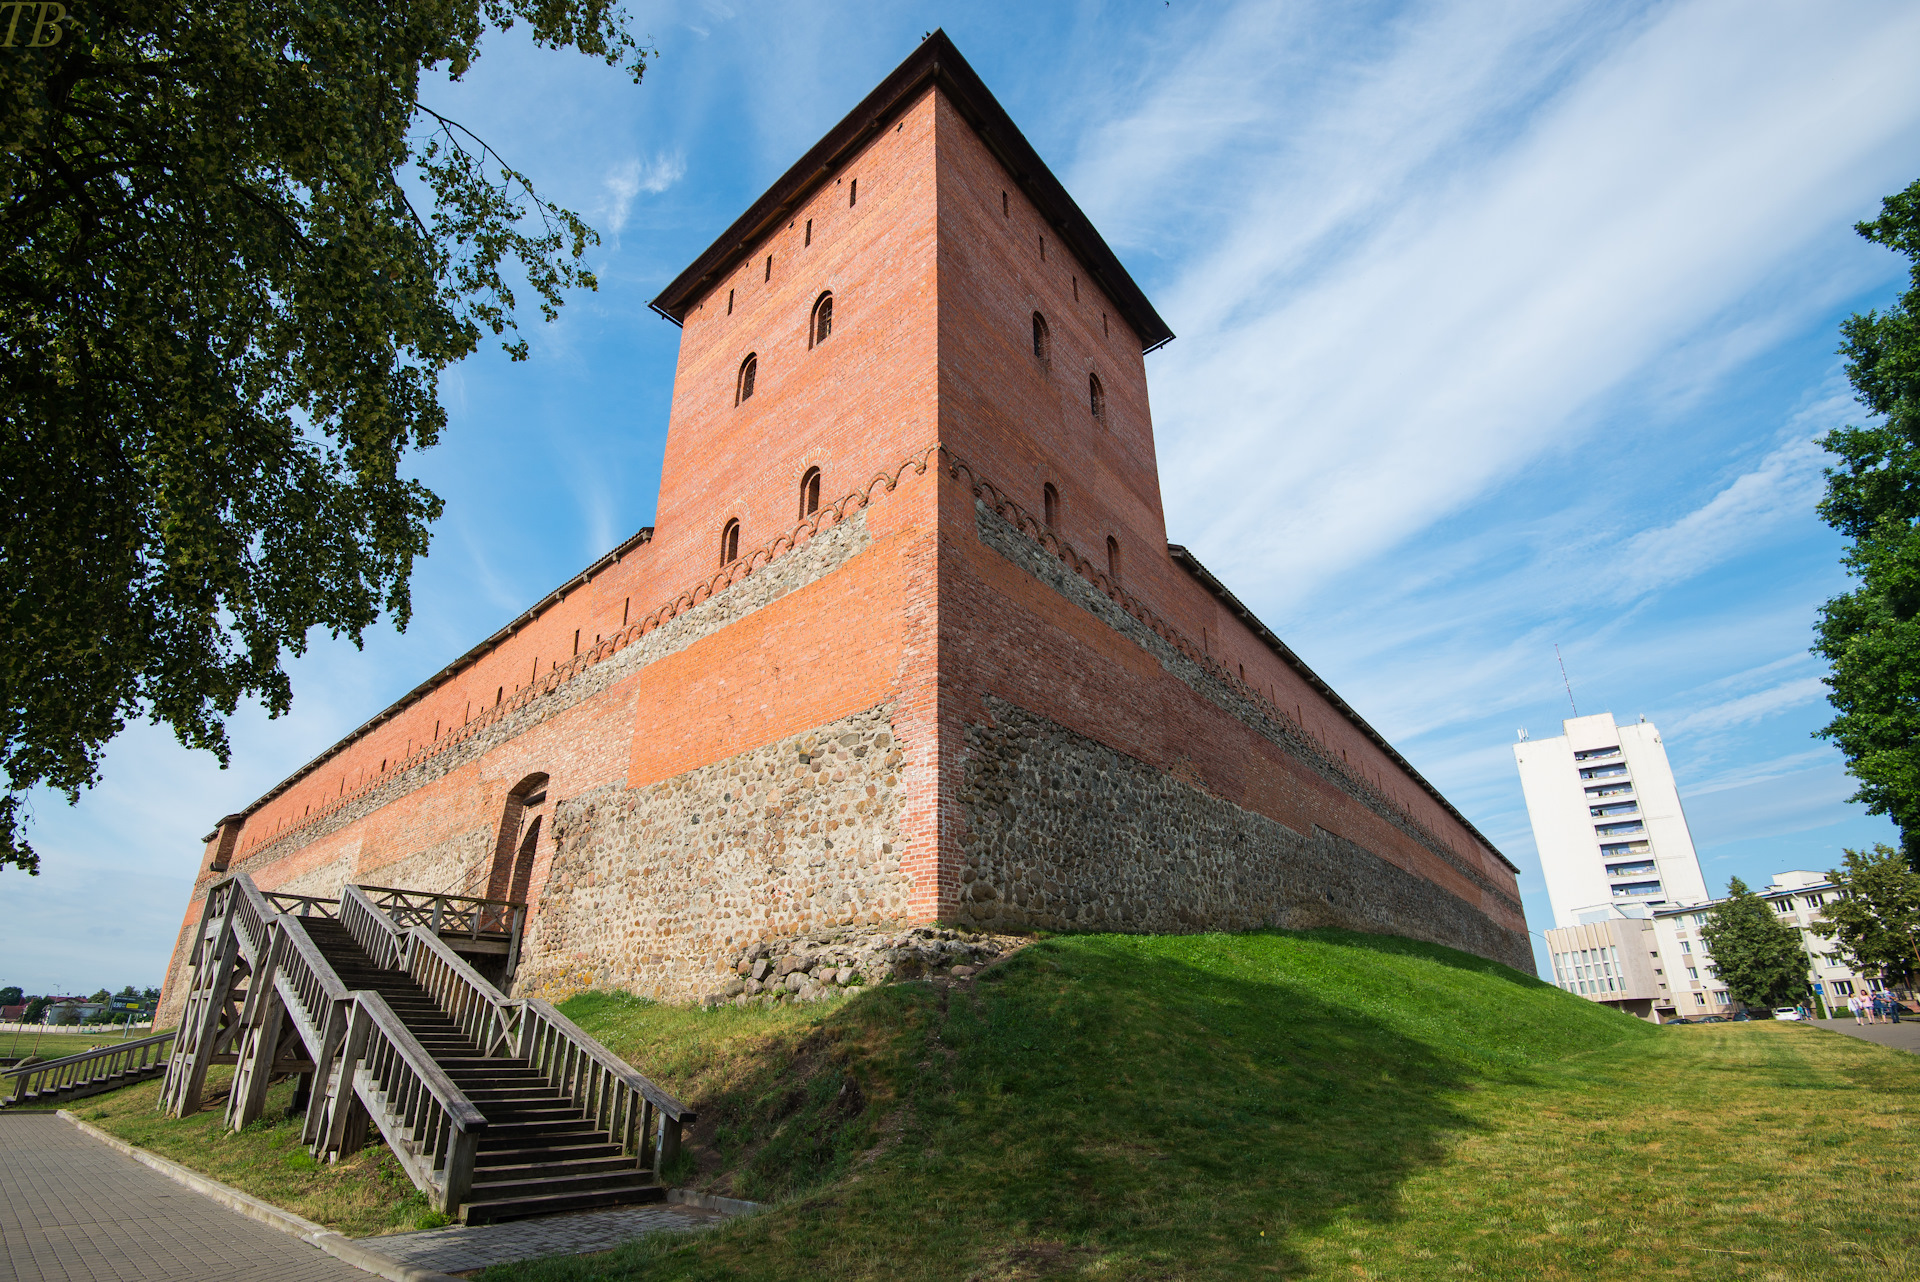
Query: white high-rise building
1607	820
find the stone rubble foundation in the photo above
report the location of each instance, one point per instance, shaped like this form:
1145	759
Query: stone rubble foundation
808	967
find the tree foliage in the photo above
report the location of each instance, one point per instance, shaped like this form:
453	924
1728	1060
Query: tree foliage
1877	922
1871	635
238	252
1758	955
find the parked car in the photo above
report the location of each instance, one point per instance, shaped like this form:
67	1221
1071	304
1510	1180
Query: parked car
1680	1019
1741	1017
1787	1012
1717	1019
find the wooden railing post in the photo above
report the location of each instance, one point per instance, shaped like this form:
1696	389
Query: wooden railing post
206	1032
669	1146
461	1155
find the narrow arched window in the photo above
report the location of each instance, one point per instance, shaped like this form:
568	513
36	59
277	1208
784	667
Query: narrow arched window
1113	558
1042	341
730	543
810	493
1096	398
748	368
822	325
1050	504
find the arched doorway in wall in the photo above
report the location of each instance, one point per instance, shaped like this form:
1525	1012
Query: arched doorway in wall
520	822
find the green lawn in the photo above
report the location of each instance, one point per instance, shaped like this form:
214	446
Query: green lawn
1321	1105
54	1043
1318	1105
367	1193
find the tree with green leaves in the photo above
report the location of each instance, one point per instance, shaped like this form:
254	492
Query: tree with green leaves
10	996
1877	919
236	252
1758	955
35	1011
1871	635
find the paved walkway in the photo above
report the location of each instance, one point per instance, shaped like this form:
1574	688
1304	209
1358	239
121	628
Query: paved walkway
457	1249
1902	1036
74	1210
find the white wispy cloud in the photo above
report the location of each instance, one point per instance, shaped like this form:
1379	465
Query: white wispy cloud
1786	484
1454	266
1749	708
634	177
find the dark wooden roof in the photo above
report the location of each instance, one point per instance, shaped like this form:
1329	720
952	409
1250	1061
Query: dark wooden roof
935	62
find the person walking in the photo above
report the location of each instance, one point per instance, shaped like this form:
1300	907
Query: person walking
1854	1003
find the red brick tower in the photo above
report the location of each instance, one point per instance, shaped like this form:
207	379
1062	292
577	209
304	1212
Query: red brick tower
907	640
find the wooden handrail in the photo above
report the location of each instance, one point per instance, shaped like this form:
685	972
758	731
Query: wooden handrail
447	914
372	929
586	1043
429	1123
608	1089
303	905
103	1061
481	1010
251	916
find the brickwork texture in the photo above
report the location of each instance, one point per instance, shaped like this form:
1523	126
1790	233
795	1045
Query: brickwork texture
969	684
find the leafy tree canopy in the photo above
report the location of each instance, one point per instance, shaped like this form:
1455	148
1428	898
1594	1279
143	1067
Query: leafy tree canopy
1758	955
238	252
1871	635
10	996
1877	923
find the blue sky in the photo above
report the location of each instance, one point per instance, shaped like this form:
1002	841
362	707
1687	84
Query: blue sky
1501	326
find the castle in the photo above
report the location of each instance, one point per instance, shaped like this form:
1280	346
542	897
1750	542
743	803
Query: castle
906	643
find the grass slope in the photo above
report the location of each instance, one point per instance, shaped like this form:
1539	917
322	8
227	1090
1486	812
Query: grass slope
1272	1104
366	1194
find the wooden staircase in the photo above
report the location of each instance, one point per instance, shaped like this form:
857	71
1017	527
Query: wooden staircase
497	1108
540	1152
55	1081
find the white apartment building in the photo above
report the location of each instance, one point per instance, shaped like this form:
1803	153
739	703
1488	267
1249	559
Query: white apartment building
1607	820
1694	982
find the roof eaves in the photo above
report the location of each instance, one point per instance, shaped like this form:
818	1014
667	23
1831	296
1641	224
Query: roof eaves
935	62
454	669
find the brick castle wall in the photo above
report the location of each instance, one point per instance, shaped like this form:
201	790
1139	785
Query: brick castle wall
952	657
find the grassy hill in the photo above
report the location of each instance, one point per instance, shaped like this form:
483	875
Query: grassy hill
1273	1104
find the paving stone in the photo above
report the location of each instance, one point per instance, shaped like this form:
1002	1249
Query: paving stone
74	1210
457	1249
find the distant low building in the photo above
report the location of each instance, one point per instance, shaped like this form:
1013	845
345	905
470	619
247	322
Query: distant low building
1611	956
73	1010
1797	898
1654	962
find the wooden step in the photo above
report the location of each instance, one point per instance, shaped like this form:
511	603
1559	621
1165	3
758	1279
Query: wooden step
497	1173
521	1134
520	1208
519	1153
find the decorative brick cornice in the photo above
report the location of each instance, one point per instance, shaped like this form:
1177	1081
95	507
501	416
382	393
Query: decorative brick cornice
832	514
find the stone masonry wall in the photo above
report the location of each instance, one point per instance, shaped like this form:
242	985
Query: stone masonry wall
1001	535
653	888
1066	834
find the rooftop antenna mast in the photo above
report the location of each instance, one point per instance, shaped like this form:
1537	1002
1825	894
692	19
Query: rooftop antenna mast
1563	678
